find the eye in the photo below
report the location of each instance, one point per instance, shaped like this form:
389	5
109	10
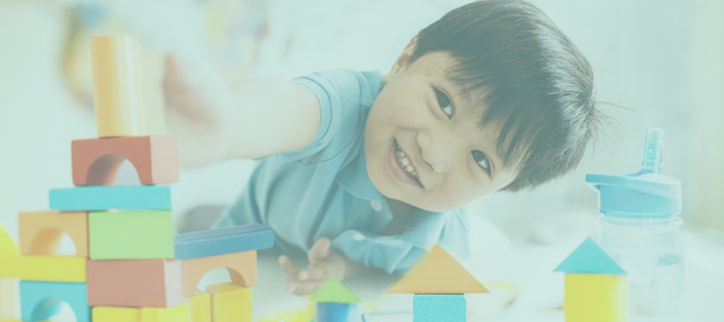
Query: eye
444	101
481	160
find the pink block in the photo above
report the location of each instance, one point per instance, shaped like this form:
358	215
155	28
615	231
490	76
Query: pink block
135	283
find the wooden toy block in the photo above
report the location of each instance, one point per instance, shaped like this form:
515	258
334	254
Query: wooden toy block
101	198
96	161
179	313
201	307
223	241
116	314
117	86
334	291
135	283
230	302
131	235
7	246
241	268
49	268
333	312
589	258
439	308
437	273
40	232
595	298
41	300
9	299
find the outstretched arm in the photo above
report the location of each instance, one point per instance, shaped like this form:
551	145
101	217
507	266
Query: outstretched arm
214	121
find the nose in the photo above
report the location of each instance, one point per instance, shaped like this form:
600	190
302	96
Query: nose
435	151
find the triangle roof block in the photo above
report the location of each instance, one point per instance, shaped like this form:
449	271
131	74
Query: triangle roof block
437	273
7	246
589	258
334	291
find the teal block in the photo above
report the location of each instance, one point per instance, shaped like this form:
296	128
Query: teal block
40	301
99	198
221	241
589	258
439	308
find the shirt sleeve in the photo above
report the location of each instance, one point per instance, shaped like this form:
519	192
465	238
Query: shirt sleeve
396	254
335	91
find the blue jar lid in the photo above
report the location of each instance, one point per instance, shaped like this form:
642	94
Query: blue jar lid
644	194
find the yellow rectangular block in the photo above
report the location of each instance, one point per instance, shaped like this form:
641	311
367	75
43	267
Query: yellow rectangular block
178	313
200	307
595	298
44	268
230	302
9	294
115	314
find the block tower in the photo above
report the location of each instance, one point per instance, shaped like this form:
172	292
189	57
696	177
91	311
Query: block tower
439	283
595	286
128	264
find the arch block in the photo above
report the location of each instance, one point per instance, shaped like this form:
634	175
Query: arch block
241	267
40	232
96	161
41	300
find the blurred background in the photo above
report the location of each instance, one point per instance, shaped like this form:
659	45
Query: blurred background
663	61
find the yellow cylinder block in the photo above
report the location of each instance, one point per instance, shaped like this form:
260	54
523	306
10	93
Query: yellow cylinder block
118	86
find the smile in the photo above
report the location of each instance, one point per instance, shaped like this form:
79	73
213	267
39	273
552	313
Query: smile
403	167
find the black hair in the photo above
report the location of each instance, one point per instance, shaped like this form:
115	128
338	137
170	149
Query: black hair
536	85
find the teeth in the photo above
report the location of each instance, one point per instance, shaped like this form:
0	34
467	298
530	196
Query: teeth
406	164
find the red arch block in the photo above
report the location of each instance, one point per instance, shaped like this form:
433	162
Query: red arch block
96	161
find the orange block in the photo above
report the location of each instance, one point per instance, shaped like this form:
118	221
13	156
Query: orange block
437	273
96	161
241	267
135	283
40	232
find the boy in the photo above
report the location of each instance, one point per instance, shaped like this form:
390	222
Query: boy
362	171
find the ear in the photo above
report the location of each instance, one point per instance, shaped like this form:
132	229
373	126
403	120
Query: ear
403	60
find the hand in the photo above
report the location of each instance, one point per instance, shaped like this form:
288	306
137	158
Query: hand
323	264
197	103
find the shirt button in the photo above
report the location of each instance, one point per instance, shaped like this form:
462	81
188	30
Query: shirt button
358	237
376	205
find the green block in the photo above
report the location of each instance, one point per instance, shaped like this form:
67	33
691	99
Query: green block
334	291
131	235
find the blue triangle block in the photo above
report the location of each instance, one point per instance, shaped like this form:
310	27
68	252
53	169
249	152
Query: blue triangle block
589	258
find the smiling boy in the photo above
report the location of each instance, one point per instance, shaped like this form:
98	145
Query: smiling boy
359	170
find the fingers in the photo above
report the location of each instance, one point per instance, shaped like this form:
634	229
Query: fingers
304	288
288	267
319	250
314	273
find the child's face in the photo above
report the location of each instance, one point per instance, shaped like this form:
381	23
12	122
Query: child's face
423	144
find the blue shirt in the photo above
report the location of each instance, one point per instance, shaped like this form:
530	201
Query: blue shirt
323	189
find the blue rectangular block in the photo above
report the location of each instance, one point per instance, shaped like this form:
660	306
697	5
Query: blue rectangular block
228	240
439	308
41	300
337	312
99	198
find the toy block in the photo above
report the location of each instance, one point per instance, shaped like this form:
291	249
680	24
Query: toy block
49	268
9	299
135	283
334	291
228	240
117	86
116	314
589	258
595	298
131	235
7	246
241	268
41	300
40	232
437	273
96	161
230	302
201	307
333	312
179	313
439	308
101	198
